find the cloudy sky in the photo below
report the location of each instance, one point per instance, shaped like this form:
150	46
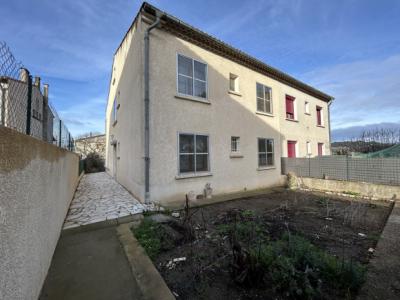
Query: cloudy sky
349	49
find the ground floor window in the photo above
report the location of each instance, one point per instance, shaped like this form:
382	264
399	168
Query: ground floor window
291	148
193	153
235	144
320	149
265	152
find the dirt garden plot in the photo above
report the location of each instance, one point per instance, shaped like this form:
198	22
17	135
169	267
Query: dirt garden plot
284	245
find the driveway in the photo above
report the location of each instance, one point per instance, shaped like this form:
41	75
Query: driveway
98	198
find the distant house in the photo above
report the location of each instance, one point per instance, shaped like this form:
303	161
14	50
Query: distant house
91	144
202	112
14	106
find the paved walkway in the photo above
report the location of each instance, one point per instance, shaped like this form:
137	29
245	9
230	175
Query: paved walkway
90	265
98	198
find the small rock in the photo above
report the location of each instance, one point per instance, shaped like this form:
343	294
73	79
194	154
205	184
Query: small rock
175	214
175	294
371	250
179	259
329	219
362	234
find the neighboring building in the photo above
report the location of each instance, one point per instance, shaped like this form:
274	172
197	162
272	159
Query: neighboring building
215	114
14	106
91	144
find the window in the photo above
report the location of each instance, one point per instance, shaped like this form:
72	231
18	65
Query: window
291	148
320	117
234	83
193	153
320	149
235	144
307	108
192	77
290	107
114	111
308	148
265	152
264	101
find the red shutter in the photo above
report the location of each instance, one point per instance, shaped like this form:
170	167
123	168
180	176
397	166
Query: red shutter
319	121
291	149
320	146
289	105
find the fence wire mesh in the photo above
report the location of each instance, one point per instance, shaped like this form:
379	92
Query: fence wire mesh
23	105
374	170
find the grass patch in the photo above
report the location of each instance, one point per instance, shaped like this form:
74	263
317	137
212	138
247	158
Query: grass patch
152	237
355	194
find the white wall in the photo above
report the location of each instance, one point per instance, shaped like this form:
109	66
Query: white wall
37	183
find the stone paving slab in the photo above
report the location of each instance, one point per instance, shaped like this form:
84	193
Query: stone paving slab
98	198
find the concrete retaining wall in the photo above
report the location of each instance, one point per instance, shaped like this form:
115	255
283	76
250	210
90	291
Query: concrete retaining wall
374	191
37	183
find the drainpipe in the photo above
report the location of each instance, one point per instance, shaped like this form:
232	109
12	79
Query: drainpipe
147	109
329	123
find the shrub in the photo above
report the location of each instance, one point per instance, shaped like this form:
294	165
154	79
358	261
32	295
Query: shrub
93	163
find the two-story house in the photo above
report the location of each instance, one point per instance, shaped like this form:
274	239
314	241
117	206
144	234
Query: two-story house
185	110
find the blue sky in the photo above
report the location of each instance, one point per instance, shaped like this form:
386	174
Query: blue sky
349	49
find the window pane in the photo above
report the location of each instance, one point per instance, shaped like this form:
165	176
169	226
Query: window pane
270	159
186	163
185	85
267	93
200	89
232	84
268	106
185	66
201	162
186	143
260	91
261	145
270	146
201	144
199	70
262	159
260	104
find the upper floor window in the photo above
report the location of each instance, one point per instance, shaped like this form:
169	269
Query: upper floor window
114	111
264	98
265	152
233	83
307	107
320	116
192	77
193	153
235	144
290	107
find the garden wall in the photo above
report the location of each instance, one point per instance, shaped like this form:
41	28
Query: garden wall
374	191
37	183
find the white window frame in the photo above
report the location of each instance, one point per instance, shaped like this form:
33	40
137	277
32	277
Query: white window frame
266	153
307	108
194	153
235	79
308	148
235	144
270	101
193	79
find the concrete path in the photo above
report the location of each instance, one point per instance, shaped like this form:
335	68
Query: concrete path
98	198
383	276
90	265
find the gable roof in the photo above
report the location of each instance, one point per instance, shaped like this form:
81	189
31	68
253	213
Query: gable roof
193	35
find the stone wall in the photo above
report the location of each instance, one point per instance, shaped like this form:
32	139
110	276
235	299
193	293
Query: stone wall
37	183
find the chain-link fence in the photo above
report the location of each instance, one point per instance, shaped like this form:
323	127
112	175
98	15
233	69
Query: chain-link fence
24	103
341	167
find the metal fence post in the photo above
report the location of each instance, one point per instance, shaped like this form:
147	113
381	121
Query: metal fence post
309	166
347	167
29	106
59	134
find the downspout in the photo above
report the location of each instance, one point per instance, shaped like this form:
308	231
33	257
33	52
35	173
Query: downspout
329	123
147	109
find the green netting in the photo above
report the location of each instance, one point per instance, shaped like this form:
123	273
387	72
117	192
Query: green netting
393	151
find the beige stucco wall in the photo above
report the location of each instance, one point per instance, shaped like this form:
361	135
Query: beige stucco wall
127	164
37	183
224	116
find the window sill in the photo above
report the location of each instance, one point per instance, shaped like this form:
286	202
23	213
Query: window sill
266	168
235	93
193	175
307	114
236	155
321	126
292	120
264	114
192	98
